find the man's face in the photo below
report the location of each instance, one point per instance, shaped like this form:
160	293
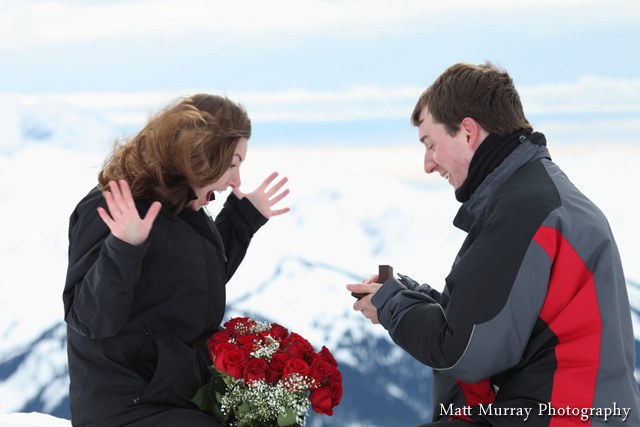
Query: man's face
448	155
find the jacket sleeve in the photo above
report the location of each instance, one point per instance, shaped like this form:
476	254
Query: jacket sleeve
424	288
497	288
101	275
237	222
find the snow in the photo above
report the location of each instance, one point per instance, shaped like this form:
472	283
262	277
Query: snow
32	419
352	208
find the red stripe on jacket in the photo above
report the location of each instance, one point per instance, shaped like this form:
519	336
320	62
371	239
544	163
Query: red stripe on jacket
571	311
476	394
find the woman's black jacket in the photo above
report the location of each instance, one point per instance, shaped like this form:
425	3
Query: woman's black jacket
138	316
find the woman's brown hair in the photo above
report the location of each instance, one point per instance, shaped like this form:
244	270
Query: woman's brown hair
191	141
483	92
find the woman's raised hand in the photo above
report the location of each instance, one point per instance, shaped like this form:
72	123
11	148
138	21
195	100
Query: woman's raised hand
264	198
123	219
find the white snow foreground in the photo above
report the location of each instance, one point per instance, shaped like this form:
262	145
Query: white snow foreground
33	419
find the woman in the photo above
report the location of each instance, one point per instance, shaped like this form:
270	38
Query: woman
145	286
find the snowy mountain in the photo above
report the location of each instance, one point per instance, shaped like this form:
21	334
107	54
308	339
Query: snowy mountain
351	209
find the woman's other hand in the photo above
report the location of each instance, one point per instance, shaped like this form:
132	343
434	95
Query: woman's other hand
263	198
123	219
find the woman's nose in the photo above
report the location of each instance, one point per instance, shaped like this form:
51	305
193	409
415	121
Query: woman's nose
234	180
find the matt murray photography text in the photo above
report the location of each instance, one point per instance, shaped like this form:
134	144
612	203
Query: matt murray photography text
543	410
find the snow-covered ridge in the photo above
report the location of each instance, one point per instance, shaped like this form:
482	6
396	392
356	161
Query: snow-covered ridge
351	209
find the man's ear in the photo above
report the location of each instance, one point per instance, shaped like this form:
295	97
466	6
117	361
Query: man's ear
474	133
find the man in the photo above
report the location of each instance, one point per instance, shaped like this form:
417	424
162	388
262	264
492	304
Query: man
533	326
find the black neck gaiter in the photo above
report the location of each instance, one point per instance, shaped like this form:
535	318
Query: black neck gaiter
491	152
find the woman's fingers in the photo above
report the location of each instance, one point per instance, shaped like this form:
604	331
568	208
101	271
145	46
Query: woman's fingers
123	218
279	197
111	204
280	211
105	217
273	190
268	180
152	213
114	189
127	197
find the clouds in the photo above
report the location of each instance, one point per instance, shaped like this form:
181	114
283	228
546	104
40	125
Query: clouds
320	62
221	22
588	94
63	22
319	45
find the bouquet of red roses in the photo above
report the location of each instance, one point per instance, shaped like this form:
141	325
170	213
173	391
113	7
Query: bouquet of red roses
264	376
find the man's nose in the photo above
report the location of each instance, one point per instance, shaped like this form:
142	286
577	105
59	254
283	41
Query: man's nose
429	165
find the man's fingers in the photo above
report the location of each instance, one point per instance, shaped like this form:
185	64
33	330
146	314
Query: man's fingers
363	288
371	279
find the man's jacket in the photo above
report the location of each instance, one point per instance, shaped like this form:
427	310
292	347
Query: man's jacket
534	317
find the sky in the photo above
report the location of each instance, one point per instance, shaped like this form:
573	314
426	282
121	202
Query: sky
322	72
327	81
329	85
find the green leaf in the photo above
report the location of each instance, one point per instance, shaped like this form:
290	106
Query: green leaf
202	399
244	409
287	418
219	415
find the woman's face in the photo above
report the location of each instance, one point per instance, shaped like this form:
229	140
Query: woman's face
231	178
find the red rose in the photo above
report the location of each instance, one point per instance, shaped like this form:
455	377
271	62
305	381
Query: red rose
247	342
234	362
296	346
278	332
255	370
321	400
219	353
335	377
320	370
264	334
336	394
276	367
239	326
217	338
294	369
327	356
296	366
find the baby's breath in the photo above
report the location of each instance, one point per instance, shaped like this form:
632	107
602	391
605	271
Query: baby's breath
267	348
260	326
267	401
